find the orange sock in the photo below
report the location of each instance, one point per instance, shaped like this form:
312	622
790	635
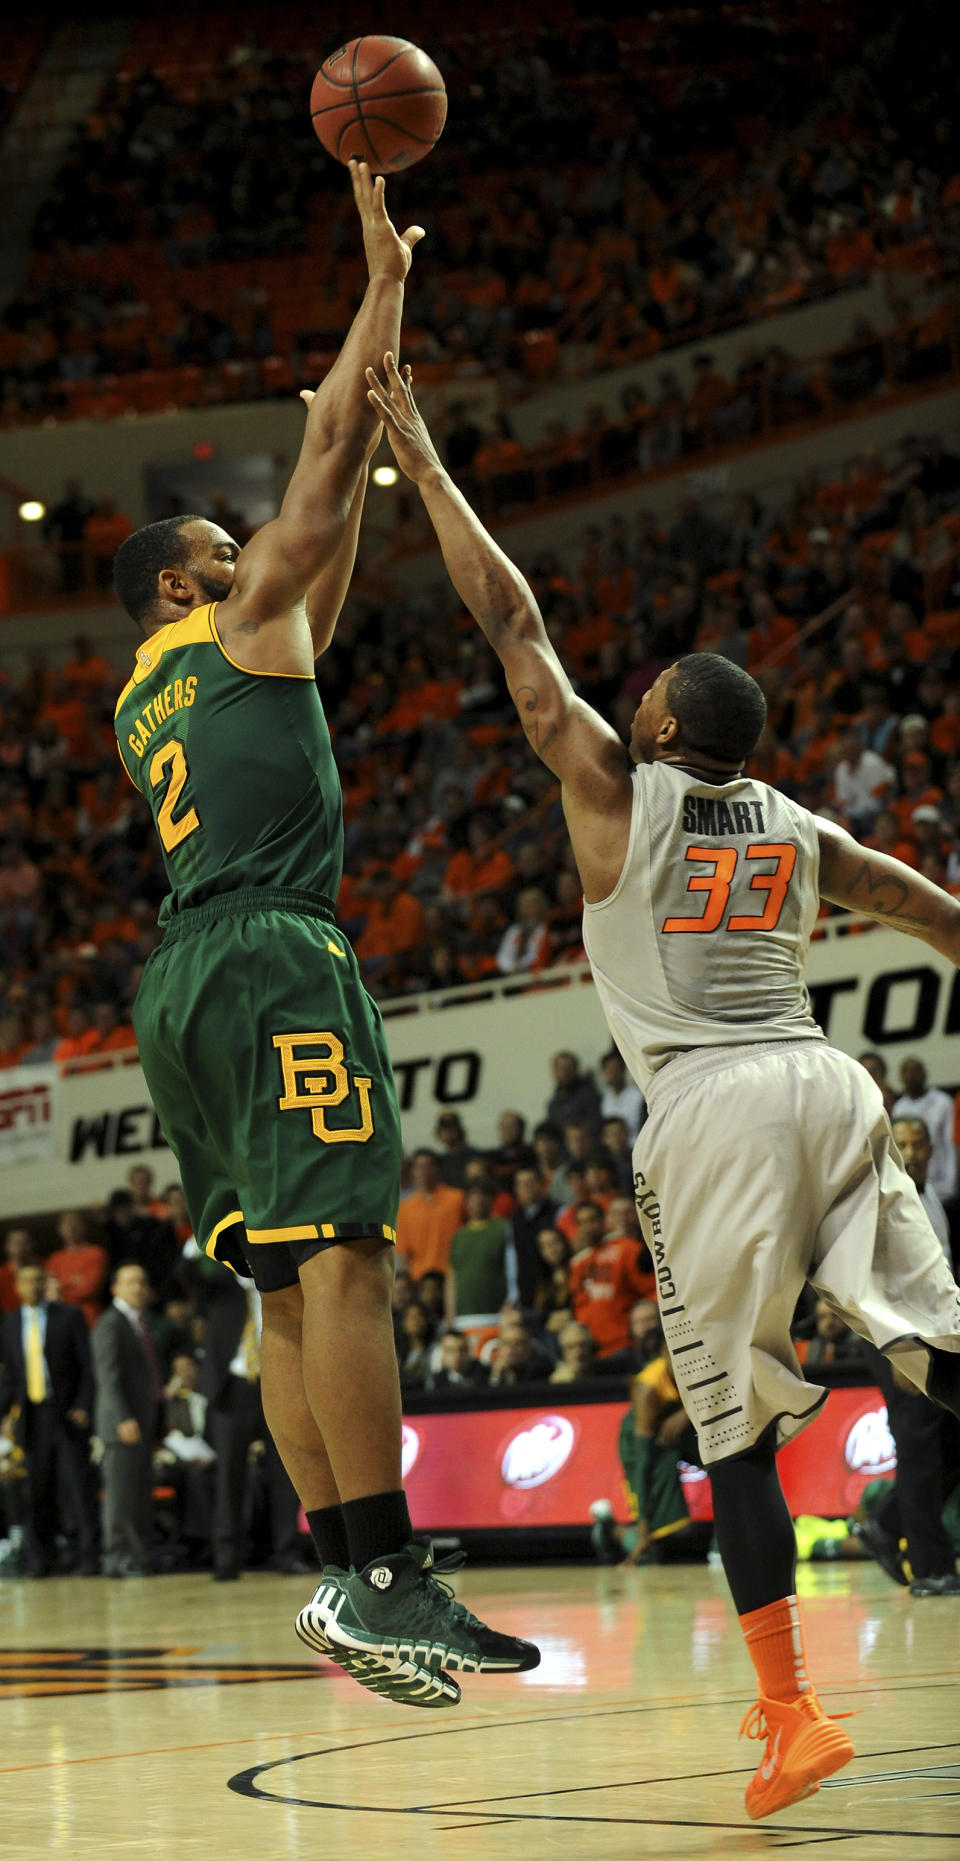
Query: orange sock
774	1638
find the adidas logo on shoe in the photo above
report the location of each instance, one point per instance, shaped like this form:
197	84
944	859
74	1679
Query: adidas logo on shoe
381	1576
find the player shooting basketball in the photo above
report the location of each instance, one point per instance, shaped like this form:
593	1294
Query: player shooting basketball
264	1056
767	1158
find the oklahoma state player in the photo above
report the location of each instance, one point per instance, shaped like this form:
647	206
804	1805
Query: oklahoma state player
767	1157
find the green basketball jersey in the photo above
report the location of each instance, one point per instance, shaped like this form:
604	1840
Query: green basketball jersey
236	766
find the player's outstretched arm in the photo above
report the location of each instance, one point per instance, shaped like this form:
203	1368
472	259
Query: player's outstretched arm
571	738
285	557
884	888
326	594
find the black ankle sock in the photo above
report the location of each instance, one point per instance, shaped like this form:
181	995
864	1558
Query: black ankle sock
376	1526
329	1533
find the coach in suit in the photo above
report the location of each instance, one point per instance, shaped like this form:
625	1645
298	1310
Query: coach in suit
129	1390
46	1380
230	1380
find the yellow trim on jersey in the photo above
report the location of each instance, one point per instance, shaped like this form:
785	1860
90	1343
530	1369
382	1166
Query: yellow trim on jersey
263	1236
196	629
252	672
310	1232
229	1221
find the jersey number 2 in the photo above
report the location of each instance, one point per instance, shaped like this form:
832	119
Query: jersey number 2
717	885
171	830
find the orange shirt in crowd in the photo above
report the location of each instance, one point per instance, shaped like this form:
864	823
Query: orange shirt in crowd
89	675
393	927
82	1272
121	1039
605	1282
74	1046
426	1224
484	872
904	805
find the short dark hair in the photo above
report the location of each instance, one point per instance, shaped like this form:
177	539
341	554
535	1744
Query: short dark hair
140	559
720	709
906	1117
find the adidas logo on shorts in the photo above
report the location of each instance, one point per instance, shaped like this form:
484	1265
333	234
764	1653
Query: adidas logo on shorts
381	1577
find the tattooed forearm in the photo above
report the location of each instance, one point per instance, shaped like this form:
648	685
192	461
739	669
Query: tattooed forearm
885	896
540	734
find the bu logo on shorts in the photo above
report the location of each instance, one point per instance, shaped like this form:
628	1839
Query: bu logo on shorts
317	1081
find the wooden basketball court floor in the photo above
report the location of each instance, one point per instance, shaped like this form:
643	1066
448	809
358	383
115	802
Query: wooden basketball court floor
173	1717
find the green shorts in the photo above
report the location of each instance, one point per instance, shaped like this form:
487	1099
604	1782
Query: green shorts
267	1065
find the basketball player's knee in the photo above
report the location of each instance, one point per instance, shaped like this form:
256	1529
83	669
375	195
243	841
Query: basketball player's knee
283	1311
360	1272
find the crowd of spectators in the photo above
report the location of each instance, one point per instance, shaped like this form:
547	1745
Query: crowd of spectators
604	190
457	865
132	1437
521	1264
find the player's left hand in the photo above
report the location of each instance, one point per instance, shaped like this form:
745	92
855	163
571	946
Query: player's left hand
389	253
406	429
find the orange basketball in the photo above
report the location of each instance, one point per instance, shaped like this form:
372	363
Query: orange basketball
378	100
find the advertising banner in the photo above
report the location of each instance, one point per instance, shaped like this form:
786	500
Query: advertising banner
28	1115
531	1467
478	1052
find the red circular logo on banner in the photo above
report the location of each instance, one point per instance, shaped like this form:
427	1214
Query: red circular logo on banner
410	1450
536	1453
869	1447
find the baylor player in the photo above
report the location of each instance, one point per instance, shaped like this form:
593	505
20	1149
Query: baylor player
767	1157
264	1055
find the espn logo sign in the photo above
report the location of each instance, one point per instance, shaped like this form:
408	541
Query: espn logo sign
27	1117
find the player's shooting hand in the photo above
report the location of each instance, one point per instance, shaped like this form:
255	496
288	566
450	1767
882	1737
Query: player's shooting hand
389	253
393	400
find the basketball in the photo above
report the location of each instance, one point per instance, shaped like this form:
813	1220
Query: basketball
378	100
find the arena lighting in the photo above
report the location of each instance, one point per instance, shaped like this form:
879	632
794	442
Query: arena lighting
32	511
385	475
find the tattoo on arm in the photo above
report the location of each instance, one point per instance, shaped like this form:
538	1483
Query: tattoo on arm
540	735
885	896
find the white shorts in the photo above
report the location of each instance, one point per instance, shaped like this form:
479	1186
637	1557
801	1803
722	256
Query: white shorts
758	1168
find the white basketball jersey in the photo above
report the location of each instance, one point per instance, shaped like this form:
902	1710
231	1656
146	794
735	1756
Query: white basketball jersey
703	941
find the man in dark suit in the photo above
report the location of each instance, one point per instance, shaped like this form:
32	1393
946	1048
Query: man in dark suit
46	1380
230	1380
129	1386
